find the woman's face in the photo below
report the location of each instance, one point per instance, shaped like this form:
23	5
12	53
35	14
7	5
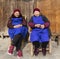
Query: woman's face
16	14
36	13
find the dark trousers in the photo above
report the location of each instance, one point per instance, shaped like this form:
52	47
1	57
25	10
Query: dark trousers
36	44
44	44
17	41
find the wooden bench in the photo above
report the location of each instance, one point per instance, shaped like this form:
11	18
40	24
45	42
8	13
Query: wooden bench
4	36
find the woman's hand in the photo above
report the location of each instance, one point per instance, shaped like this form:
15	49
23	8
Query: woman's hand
37	25
42	26
17	26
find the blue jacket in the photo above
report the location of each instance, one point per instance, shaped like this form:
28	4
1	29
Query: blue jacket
39	34
14	31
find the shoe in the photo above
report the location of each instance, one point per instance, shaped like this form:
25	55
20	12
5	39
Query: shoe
44	51
10	50
36	52
19	54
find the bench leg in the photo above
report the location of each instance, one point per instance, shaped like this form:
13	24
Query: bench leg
50	46
32	49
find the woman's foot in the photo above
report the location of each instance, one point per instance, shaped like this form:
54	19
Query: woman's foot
10	50
36	52
19	54
44	51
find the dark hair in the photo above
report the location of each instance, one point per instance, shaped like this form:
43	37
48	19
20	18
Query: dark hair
13	16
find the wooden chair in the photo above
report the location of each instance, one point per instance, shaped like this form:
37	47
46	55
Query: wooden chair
40	49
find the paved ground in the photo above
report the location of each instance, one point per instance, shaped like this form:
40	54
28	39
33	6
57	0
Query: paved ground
4	43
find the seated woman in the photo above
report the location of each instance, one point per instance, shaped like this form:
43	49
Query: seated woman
40	31
17	29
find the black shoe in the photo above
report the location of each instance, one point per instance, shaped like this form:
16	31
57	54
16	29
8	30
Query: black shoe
44	51
36	52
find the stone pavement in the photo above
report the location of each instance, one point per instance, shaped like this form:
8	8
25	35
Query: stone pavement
4	44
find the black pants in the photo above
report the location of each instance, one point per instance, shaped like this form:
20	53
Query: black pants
36	44
44	44
17	41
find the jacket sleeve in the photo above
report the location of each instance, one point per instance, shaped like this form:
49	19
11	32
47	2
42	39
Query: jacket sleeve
9	24
31	24
47	23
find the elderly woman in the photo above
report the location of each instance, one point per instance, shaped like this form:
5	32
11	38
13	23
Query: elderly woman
17	29
40	31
